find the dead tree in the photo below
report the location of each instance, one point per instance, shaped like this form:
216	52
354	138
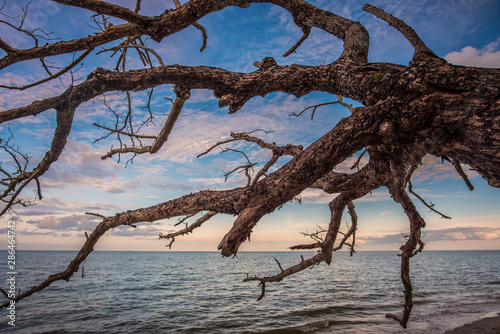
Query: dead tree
426	107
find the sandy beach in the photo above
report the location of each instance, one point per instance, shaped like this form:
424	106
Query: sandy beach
483	326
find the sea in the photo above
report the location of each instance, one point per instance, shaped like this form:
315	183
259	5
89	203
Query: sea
202	292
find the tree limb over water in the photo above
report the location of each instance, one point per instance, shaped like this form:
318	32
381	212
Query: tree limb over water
426	107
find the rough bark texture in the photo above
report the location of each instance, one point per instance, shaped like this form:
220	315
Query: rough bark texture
427	107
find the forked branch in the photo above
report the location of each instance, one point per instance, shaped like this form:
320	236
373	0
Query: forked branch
278	151
53	76
327	244
188	229
64	119
414	244
182	95
314	107
410	189
307	31
460	171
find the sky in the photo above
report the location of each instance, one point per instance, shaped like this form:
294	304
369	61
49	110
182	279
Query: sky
464	32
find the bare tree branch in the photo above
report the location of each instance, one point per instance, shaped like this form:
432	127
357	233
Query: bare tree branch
460	172
189	228
339	101
116	48
307	31
53	76
427	107
64	119
421	50
354	35
414	243
103	7
123	132
410	189
327	245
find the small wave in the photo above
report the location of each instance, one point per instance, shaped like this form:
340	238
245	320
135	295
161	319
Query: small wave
424	301
316	326
328	310
306	328
491	315
313	326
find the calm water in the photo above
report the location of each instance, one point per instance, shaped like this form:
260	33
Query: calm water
200	292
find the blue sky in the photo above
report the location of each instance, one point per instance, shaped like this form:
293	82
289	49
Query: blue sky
464	32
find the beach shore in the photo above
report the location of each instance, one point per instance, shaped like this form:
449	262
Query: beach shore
483	326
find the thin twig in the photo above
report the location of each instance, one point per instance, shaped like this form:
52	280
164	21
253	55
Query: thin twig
339	101
123	132
197	26
421	50
307	31
53	76
358	160
460	171
135	46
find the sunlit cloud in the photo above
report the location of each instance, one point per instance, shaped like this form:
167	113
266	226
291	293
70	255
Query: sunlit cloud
317	196
488	56
463	233
349	165
10	99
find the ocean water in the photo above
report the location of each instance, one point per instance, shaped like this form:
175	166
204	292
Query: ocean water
201	292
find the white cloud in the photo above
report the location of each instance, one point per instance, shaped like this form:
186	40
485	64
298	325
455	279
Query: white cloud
488	56
316	196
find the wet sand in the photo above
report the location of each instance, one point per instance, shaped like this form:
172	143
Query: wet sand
482	326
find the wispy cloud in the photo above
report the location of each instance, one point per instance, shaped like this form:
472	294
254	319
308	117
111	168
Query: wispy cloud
384	213
71	222
57	206
433	169
80	166
449	234
53	216
141	231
